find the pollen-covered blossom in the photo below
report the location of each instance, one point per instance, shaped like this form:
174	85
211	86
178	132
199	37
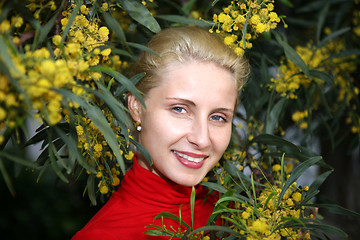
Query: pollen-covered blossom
232	20
265	220
300	118
290	79
98	154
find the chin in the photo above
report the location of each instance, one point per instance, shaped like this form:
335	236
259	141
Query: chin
187	181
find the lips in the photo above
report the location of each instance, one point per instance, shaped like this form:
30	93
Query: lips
190	160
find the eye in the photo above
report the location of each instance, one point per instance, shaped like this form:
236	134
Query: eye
218	118
179	109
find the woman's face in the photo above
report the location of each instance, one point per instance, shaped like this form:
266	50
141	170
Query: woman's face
186	125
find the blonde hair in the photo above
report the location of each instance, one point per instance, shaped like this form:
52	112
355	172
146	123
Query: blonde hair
183	45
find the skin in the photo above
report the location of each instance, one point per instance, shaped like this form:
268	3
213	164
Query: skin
186	125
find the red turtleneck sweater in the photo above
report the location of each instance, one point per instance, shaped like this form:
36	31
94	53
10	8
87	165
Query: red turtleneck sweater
141	196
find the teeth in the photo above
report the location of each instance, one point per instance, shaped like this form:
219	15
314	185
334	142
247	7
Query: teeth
191	159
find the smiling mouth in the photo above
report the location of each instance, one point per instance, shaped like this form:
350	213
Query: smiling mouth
188	158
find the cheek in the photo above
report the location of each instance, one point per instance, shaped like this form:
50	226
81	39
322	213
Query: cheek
221	140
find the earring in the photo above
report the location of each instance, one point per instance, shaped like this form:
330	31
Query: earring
138	127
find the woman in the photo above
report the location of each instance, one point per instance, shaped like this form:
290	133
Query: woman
190	94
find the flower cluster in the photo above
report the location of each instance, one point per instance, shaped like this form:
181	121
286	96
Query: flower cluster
290	79
256	17
86	46
97	153
37	7
264	217
300	118
37	73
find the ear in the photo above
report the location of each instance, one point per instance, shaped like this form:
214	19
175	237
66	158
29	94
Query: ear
135	107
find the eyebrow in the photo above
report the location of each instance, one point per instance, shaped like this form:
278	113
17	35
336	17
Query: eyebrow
193	104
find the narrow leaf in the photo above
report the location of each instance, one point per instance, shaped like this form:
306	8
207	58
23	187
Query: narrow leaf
90	184
143	151
192	205
54	165
121	79
44	31
6	178
115	27
315	185
322	75
142	48
273	117
70	21
14	158
333	35
293	56
170	216
141	14
216	228
321	20
184	20
298	171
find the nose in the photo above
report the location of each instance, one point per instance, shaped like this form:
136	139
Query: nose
199	134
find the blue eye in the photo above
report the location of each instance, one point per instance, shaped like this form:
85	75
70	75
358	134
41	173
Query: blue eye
179	109
218	118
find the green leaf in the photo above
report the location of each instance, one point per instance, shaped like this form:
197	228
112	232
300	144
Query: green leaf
121	52
52	155
293	56
71	143
283	145
244	29
6	177
71	20
121	79
188	6
134	79
327	229
321	20
141	14
44	155
313	190
272	117
44	31
16	159
214	2
323	99
184	20
333	35
159	233
115	27
143	151
216	228
90	184
100	122
116	107
5	56
231	199
192	205
297	172
334	208
287	3
214	186
171	216
142	48
322	75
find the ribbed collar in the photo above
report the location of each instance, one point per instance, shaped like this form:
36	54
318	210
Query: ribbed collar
146	188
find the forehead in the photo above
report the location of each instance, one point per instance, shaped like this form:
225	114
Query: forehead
197	80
